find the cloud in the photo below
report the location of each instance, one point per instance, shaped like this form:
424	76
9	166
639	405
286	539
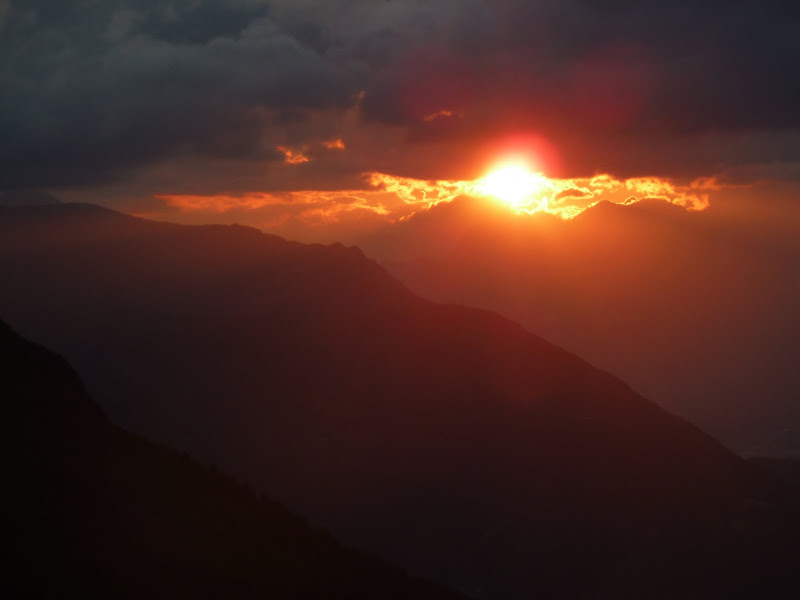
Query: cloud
573	194
425	193
293	157
27	198
219	203
87	94
310	216
299	204
609	65
4	6
620	87
337	144
389	199
95	93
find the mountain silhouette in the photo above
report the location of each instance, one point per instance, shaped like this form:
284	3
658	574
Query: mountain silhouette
698	311
94	511
787	469
448	440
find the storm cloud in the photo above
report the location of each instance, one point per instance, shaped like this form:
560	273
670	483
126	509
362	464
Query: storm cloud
91	92
93	89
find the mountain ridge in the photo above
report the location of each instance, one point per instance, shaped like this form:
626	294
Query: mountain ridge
412	429
95	511
671	301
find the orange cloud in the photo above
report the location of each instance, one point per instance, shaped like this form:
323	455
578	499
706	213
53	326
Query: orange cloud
574	193
293	157
335	209
685	196
218	203
337	144
604	181
707	183
418	191
567	198
442	114
310	203
392	198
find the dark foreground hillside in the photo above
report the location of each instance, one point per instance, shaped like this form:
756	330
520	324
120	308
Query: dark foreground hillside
94	512
787	469
448	440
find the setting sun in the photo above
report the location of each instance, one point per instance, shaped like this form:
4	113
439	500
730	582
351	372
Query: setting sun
513	183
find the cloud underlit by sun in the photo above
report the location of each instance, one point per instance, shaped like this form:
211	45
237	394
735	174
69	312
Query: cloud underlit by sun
513	181
390	197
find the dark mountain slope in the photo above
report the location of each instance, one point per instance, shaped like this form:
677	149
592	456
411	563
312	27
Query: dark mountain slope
787	469
448	439
699	312
97	512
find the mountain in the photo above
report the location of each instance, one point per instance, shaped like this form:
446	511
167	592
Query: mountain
94	511
786	468
449	440
699	312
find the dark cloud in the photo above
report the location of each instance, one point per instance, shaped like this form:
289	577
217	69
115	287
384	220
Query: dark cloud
90	91
27	198
589	74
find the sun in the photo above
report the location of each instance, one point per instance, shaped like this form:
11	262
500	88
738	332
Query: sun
512	183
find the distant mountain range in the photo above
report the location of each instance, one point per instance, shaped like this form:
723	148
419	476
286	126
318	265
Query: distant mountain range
92	511
699	312
447	439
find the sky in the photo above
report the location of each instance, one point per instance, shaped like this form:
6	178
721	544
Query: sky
327	119
467	145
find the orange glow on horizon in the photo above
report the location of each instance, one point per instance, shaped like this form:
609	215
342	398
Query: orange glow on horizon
511	185
516	185
525	191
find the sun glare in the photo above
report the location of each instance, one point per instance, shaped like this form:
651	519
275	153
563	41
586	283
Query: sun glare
513	184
